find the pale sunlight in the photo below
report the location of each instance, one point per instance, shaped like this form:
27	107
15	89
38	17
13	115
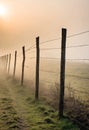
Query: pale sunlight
3	11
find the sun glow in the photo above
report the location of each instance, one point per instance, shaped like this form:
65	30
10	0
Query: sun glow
3	11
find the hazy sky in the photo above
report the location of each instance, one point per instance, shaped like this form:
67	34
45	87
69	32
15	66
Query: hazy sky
26	19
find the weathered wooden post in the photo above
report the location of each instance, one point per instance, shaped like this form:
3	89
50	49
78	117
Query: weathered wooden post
9	63
6	61
62	73
37	69
23	64
15	64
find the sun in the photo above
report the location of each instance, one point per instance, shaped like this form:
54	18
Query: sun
3	11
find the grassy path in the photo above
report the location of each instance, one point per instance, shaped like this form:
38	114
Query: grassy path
9	117
19	110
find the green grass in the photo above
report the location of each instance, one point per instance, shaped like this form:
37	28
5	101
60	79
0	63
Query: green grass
20	111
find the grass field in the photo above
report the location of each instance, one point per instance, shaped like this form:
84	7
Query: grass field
76	88
19	110
76	77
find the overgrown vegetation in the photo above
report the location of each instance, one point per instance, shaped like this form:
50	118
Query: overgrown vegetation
74	108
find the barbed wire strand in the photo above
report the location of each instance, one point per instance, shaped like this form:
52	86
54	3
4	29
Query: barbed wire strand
77	34
45	49
50	49
73	35
46	81
78	59
49	41
46	71
49	58
30	48
77	76
86	45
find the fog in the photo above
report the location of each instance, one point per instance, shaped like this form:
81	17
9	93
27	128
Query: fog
27	19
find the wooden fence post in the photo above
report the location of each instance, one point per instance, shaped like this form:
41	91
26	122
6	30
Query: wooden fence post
9	63
2	62
62	73
6	61
15	64
37	69
23	64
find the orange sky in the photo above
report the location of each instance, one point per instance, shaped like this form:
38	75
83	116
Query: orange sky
27	19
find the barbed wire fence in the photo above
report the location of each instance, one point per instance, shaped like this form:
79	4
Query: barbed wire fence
40	55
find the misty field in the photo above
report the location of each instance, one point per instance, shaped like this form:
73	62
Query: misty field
76	103
76	87
76	77
20	111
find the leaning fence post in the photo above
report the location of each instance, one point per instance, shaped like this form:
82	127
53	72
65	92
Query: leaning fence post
23	64
9	63
15	64
62	73
37	69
